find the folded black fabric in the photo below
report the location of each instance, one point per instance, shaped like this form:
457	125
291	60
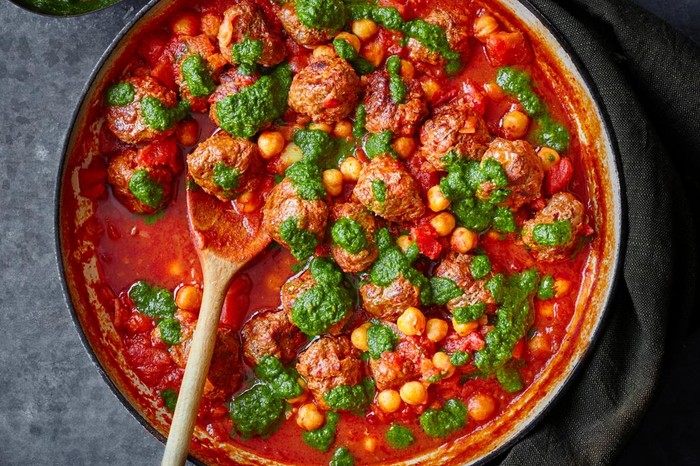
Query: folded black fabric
649	78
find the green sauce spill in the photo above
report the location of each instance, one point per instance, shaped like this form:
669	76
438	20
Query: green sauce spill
355	399
349	235
247	53
463	315
444	290
120	94
393	262
552	234
380	144
546	288
256	412
225	177
459	358
445	421
301	242
348	53
517	83
199	82
158	304
380	339
283	381
169	397
397	88
322	14
399	437
159	117
342	457
322	438
358	128
146	189
242	114
480	267
379	190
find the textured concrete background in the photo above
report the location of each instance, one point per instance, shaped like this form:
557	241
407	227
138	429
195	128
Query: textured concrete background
54	406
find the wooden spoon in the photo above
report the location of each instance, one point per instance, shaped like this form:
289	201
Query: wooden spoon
225	241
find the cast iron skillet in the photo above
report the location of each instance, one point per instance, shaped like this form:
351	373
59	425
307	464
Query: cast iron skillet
611	215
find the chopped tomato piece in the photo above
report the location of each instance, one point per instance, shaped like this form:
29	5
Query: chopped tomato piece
163	72
152	364
236	303
161	153
426	240
475	341
476	98
423	172
558	176
518	349
151	48
138	323
92	179
507	48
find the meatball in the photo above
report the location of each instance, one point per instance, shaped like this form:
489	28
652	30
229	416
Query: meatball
127	122
225	375
348	261
327	363
561	207
307	36
404	363
284	203
384	114
457	267
454	127
455	23
295	287
522	168
224	166
232	83
270	333
386	188
326	90
187	46
152	186
389	302
246	20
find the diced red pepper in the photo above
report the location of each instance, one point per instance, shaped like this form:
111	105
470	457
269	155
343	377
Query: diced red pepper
236	303
507	48
426	240
558	176
161	153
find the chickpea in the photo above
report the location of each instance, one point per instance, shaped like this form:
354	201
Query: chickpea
411	322
436	330
271	144
247	202
389	400
187	24
187	133
309	417
350	168
414	393
324	51
404	242
369	443
291	154
515	124
548	156
351	39
481	407
437	201
210	24
442	362
485	25
404	146
189	297
358	337
343	129
493	90
408	71
561	287
430	88
374	53
539	345
464	329
333	181
463	240
325	127
364	28
545	309
443	223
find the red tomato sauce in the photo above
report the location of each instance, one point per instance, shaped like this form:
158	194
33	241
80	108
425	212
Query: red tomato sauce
158	249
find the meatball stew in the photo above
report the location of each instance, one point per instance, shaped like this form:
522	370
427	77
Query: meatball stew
416	173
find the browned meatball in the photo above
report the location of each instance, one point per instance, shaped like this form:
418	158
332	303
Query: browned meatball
295	287
326	90
404	363
384	114
270	333
386	188
284	203
183	48
560	208
231	83
152	187
247	20
225	374
348	261
454	127
328	363
307	36
127	122
522	167
389	302
457	268
224	166
455	23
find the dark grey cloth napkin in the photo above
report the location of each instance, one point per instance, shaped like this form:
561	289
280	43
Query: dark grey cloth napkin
649	78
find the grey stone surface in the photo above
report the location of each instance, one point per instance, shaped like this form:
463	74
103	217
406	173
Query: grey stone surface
54	406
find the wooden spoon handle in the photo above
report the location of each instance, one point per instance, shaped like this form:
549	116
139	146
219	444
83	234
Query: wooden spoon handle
217	278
